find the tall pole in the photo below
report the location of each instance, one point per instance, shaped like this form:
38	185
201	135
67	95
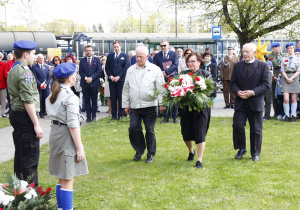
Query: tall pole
140	22
5	17
158	20
176	25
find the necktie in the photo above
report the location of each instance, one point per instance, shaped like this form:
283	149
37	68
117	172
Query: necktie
165	55
291	61
116	56
278	60
89	62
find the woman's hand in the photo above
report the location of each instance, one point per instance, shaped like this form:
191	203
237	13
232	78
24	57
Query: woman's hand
80	154
290	80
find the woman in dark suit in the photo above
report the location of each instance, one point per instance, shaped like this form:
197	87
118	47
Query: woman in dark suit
194	124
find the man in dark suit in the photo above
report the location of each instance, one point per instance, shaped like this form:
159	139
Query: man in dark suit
249	82
42	75
90	69
168	62
116	67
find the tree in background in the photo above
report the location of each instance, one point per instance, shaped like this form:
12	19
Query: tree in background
63	27
98	28
249	19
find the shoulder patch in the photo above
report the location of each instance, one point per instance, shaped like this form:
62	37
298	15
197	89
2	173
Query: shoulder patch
25	67
27	78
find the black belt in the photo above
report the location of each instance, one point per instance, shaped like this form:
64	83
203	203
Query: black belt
55	122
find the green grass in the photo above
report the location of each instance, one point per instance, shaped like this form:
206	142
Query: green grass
115	181
4	122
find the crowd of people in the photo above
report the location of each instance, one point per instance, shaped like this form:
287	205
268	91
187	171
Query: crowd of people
52	86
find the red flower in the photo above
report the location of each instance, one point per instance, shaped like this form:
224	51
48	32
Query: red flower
20	192
181	79
170	79
286	60
43	194
271	59
48	190
5	185
40	189
32	185
191	74
166	85
197	79
1	209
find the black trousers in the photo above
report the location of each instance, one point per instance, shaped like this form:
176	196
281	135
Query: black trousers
256	125
27	147
116	89
90	94
43	95
136	135
167	113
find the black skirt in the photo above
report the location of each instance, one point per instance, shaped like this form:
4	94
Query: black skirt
194	124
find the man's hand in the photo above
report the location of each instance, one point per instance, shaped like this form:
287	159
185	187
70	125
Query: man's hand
245	94
127	110
275	79
112	78
162	109
117	78
89	80
45	86
38	131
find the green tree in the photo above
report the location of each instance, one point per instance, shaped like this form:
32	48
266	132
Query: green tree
63	27
129	25
247	18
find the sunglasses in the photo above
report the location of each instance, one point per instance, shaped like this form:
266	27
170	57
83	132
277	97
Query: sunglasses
163	45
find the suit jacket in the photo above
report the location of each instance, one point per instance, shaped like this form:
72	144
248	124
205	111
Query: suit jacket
94	71
171	56
258	81
133	60
3	82
117	67
41	75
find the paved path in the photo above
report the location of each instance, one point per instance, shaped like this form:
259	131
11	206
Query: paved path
7	146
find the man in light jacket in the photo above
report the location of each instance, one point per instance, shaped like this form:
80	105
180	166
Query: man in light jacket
138	98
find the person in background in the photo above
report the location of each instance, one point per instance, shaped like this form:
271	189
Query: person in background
279	96
8	67
55	61
154	52
212	68
106	85
290	69
275	57
49	60
133	58
9	57
225	74
42	75
3	86
76	88
67	158
172	49
213	60
268	94
131	53
182	62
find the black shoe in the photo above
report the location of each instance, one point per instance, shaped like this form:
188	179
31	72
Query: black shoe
191	156
266	118
175	121
255	158
226	107
232	107
138	156
42	116
94	119
120	118
286	119
198	164
239	155
149	159
88	120
292	120
113	118
164	121
4	116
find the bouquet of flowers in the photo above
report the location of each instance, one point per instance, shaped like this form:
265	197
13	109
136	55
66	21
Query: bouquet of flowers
189	90
18	194
101	91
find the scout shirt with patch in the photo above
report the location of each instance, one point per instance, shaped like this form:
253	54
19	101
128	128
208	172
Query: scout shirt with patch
22	88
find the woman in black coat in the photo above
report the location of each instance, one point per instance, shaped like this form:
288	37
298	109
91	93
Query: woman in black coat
212	68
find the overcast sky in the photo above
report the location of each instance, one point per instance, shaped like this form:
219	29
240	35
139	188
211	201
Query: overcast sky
84	12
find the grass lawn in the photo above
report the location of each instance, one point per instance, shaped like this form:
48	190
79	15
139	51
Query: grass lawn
115	181
4	122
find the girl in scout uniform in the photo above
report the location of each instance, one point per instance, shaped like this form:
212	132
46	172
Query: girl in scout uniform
67	158
290	68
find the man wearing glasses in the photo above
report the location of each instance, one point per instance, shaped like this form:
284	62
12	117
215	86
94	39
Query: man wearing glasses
168	62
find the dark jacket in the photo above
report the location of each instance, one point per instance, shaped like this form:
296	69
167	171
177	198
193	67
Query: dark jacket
117	67
171	56
94	71
258	81
41	75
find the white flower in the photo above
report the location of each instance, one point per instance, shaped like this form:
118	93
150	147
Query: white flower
173	82
5	199
101	80
24	184
187	80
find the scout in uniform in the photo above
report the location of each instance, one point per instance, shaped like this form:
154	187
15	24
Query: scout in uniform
24	99
67	158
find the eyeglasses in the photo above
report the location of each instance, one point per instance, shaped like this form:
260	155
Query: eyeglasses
187	53
163	45
192	61
56	59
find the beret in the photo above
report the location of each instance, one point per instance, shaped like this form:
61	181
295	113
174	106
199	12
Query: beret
25	45
276	44
297	50
64	70
289	44
229	47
